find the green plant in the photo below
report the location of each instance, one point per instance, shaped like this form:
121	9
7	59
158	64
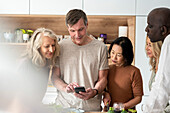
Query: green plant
27	31
124	111
132	111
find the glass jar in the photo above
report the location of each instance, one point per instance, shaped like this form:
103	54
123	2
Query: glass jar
118	107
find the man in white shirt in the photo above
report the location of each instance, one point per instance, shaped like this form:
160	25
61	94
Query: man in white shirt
158	29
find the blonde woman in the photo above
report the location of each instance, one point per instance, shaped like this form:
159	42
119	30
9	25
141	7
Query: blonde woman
40	58
153	51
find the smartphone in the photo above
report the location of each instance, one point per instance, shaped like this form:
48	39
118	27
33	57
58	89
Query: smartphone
78	89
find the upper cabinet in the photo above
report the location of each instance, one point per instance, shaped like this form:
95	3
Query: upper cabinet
91	7
14	6
143	7
53	7
109	7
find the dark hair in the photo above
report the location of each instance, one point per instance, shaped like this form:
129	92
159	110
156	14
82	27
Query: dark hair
74	15
127	49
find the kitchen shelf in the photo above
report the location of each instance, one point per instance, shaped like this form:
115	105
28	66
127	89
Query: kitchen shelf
97	24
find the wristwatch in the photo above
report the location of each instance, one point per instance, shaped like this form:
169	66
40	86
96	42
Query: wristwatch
97	92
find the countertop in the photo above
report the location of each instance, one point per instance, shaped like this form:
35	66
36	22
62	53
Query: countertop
95	112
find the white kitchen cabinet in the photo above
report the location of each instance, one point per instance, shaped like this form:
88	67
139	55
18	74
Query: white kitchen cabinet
109	7
53	7
143	7
139	107
50	96
141	60
14	6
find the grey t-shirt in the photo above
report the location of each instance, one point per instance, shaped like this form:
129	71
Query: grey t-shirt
81	64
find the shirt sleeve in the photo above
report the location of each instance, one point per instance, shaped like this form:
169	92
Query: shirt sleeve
159	95
137	83
104	60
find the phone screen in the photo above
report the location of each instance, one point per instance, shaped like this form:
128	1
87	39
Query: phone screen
78	89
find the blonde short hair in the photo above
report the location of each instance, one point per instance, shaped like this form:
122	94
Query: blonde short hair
36	42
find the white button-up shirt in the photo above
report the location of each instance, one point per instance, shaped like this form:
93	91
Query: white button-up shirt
159	95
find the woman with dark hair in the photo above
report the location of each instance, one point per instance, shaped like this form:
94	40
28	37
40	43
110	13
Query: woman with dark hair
124	80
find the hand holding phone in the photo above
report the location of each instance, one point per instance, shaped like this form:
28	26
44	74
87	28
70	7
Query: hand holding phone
78	89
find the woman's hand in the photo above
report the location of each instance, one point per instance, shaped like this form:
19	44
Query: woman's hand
106	98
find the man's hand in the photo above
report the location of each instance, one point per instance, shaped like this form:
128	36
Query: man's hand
70	87
90	93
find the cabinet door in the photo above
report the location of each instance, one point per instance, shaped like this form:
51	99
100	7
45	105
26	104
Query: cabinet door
143	7
139	106
109	7
141	60
59	7
14	6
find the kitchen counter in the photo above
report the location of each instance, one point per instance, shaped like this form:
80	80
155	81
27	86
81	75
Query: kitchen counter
95	112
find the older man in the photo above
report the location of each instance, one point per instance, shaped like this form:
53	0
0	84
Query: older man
158	29
82	62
